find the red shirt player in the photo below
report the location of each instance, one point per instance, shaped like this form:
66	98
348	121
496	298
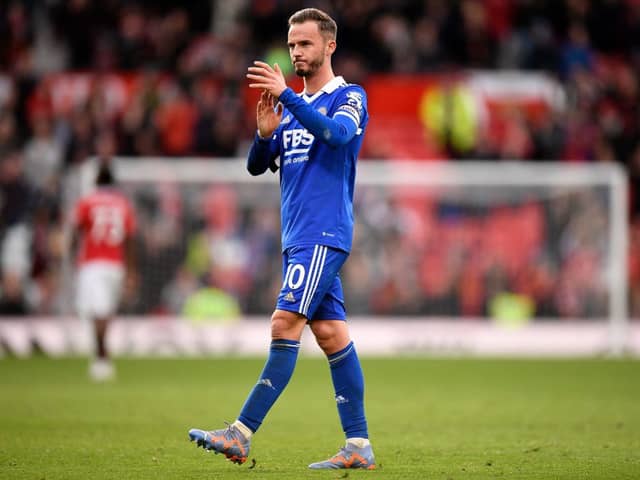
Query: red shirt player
104	224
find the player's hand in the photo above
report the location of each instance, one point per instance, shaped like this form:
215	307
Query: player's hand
264	77
268	114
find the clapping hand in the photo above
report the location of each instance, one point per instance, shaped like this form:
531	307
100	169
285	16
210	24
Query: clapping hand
268	114
271	81
264	77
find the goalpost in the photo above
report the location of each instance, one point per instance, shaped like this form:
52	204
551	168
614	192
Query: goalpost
511	244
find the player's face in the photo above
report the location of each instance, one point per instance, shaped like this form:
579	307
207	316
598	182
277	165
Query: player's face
307	47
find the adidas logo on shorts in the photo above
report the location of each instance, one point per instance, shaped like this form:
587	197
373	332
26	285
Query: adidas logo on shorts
289	297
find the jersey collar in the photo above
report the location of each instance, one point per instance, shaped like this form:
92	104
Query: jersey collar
328	87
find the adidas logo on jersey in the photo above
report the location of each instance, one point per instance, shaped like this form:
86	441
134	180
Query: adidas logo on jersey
289	297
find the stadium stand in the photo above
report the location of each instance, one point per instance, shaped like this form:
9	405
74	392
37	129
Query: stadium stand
152	78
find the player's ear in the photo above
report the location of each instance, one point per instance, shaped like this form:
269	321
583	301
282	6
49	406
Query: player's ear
330	47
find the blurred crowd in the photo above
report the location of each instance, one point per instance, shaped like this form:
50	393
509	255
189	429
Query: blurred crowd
417	250
184	65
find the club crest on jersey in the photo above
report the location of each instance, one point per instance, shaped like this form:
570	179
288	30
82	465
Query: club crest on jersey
322	110
354	99
286	119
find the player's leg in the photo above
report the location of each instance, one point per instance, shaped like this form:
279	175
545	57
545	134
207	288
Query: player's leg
286	330
100	326
101	367
348	381
99	287
88	282
308	273
235	440
300	272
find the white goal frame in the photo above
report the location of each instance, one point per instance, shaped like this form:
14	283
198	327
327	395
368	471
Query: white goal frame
433	174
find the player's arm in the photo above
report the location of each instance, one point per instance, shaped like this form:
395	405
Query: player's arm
130	256
129	248
336	131
264	149
78	216
74	243
262	155
129	239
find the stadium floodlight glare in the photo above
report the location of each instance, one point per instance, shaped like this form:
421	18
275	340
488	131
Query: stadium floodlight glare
587	202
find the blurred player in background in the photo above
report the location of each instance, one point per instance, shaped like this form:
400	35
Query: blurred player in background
317	136
103	226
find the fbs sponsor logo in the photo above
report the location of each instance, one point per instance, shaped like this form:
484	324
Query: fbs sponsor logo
289	297
296	138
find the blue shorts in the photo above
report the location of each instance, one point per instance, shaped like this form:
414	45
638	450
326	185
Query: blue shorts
312	285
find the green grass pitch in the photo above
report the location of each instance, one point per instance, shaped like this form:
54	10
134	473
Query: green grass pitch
429	419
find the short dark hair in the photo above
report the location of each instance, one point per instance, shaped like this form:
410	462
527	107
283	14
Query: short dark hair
105	175
326	24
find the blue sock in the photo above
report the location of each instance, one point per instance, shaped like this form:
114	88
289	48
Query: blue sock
275	376
348	383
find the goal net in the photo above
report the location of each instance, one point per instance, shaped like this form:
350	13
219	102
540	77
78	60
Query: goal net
505	242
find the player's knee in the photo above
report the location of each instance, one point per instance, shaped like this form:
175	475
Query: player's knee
326	344
286	325
329	338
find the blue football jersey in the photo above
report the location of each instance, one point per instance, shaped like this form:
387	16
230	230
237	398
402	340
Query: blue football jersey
317	179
